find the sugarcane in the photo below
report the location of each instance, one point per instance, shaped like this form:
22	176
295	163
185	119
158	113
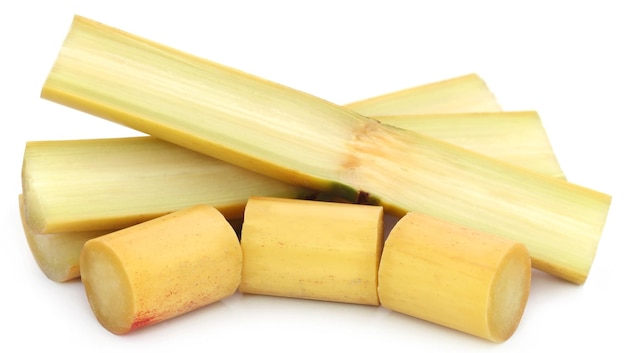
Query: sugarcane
162	268
311	249
454	276
303	140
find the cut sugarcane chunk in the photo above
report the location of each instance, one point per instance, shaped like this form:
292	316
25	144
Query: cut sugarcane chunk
162	268
456	277
304	140
311	250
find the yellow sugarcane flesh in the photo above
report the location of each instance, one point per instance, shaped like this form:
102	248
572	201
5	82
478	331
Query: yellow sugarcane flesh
470	281
311	250
162	268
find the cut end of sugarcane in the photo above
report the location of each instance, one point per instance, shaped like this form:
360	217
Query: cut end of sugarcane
509	294
108	292
57	255
31	213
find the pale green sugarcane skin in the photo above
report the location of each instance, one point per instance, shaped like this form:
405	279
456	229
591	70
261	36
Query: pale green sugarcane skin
301	139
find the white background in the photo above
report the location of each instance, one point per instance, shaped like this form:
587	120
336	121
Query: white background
564	59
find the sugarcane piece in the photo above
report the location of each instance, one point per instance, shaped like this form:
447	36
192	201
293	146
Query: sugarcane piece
303	140
517	137
311	250
453	276
463	94
57	254
160	269
110	184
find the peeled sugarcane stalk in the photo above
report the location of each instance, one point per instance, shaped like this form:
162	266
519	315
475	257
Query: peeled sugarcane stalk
162	268
157	177
119	182
303	140
311	250
470	281
462	94
514	137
